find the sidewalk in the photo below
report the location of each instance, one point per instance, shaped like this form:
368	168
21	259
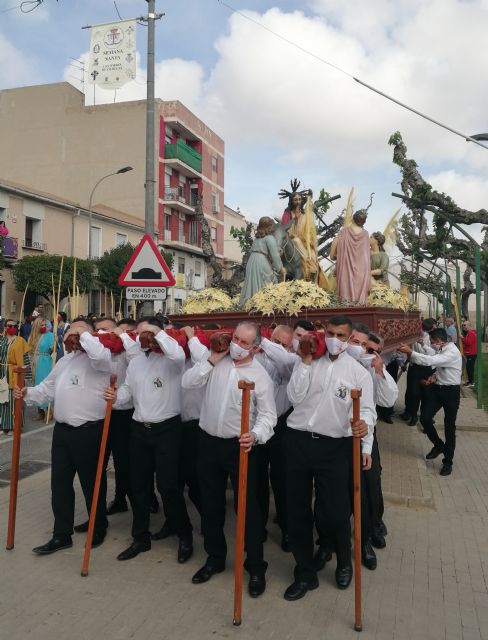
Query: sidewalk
431	581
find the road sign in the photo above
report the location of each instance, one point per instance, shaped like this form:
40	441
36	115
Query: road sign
146	267
145	293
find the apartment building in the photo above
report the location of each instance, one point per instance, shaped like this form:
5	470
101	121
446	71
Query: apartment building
40	223
52	142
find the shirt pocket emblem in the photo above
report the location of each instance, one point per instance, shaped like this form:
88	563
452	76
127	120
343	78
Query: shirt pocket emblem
341	391
157	382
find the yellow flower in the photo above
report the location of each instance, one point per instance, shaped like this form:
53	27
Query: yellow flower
207	301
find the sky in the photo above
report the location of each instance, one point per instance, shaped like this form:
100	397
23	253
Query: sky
283	113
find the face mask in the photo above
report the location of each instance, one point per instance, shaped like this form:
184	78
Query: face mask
295	344
237	352
43	330
102	331
367	359
11	331
335	346
436	347
356	351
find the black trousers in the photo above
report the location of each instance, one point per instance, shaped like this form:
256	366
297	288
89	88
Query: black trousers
446	397
325	462
119	445
387	412
157	449
271	467
371	480
470	362
188	462
415	391
74	451
218	459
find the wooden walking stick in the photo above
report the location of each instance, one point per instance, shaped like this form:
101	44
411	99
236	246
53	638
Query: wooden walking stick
14	470
246	387
98	480
356	463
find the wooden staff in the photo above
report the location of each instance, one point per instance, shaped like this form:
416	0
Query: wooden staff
246	387
356	462
14	470
98	480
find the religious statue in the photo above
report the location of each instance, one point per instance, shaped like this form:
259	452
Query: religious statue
297	236
379	260
264	261
351	250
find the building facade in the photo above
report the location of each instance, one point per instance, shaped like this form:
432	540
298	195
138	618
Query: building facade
53	143
41	223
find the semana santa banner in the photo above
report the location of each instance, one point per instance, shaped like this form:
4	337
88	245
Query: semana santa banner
113	53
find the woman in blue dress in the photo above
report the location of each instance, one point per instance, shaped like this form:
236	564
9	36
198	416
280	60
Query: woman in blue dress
41	342
264	261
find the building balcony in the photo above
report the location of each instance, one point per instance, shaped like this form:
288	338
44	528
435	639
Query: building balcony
182	158
172	198
10	248
181	245
28	243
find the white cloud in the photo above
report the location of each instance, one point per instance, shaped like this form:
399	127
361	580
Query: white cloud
16	69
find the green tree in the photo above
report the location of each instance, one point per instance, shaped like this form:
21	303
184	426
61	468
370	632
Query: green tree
112	263
36	272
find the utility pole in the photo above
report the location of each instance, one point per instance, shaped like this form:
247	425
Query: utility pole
150	180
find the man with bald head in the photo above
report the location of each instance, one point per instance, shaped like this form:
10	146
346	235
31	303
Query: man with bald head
75	388
220	442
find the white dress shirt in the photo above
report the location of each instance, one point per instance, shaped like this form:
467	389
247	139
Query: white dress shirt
320	394
385	390
221	409
448	363
192	399
76	384
280	381
153	382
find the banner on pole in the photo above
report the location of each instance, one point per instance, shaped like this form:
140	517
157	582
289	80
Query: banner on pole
113	54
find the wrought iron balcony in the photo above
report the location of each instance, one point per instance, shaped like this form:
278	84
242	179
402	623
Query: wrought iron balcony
34	244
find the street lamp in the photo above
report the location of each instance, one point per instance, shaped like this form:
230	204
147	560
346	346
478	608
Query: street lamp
90	213
477	266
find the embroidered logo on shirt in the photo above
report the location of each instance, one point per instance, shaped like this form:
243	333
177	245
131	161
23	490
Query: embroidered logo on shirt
158	383
74	381
341	392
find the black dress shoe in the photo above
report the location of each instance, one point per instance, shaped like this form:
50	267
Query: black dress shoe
378	541
368	556
299	588
257	584
446	469
205	573
185	550
55	544
343	576
405	416
381	528
165	532
117	506
137	547
434	453
285	543
322	555
98	538
81	528
154	508
388	420
413	421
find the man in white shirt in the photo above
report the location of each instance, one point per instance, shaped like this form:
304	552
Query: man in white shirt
444	393
191	405
220	440
153	384
451	330
318	451
278	358
75	387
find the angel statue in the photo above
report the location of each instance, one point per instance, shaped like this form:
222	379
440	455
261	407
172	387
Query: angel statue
352	253
264	261
380	262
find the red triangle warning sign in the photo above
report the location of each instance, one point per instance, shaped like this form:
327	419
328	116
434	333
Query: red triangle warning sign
147	267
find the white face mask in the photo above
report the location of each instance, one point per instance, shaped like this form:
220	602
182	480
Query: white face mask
237	352
335	346
436	347
356	351
295	343
367	359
